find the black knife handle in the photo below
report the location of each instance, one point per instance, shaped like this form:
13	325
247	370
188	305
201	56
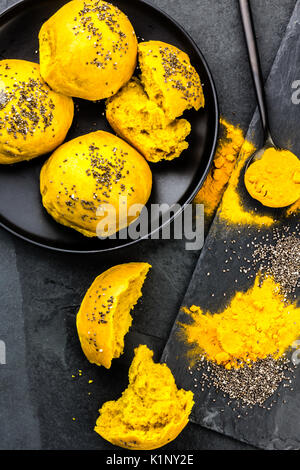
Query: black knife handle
252	48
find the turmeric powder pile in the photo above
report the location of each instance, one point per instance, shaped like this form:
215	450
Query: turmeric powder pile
221	184
226	155
256	325
232	208
274	179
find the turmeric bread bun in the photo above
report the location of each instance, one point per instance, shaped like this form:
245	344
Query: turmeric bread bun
90	184
151	411
34	120
169	78
104	316
143	124
88	49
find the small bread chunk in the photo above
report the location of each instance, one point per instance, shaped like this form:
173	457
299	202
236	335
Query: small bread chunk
151	411
169	78
104	316
141	122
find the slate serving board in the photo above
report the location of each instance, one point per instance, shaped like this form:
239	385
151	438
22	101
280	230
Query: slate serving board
278	428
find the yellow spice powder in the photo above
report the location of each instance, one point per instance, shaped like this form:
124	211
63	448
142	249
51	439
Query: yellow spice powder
274	179
255	325
222	181
226	154
232	208
294	209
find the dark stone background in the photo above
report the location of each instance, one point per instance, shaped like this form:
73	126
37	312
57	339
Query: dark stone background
40	291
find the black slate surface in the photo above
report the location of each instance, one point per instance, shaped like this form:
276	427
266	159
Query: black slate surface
40	291
217	277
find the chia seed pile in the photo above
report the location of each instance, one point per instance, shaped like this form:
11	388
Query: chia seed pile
249	385
276	253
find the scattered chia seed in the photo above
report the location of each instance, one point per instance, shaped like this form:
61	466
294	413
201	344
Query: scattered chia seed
281	260
26	106
86	24
106	173
175	68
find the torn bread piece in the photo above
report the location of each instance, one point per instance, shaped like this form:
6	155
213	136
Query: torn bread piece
151	412
141	122
169	78
104	315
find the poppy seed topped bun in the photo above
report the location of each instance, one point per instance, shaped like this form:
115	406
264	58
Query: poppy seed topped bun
34	120
169	78
94	171
87	49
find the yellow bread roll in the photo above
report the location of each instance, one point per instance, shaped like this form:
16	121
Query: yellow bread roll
143	124
34	120
151	411
88	49
94	171
104	316
169	78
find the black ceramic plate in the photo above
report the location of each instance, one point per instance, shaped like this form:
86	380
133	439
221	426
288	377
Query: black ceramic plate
21	211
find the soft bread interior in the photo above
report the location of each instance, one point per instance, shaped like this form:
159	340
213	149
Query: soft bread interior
150	412
143	124
127	300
